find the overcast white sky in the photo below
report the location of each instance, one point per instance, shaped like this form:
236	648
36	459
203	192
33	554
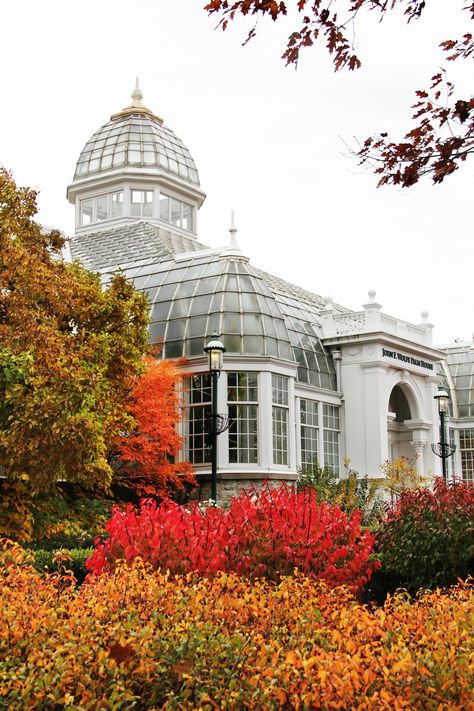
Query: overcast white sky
267	139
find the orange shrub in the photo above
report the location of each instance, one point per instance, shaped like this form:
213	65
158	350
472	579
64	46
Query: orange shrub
140	639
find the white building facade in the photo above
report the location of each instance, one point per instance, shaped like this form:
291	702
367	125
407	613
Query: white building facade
305	380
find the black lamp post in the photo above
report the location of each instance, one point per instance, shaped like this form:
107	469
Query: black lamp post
215	348
443	449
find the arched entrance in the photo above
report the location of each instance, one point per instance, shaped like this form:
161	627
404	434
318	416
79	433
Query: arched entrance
402	411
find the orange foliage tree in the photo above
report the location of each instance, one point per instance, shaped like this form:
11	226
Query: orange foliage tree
442	138
69	351
145	456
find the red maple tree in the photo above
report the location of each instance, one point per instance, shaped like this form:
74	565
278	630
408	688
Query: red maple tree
443	136
145	457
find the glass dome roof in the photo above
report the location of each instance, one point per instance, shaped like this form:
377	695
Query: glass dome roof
460	361
136	137
194	297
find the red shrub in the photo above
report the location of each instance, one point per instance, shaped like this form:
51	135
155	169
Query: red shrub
264	534
426	539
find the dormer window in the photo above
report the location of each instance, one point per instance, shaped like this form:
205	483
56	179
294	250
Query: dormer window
176	212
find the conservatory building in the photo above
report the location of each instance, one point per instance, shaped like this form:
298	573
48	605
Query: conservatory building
304	379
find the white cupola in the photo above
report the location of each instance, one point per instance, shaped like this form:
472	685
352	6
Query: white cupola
134	167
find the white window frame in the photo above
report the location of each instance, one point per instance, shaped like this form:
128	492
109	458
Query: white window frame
94	201
142	204
181	203
328	459
312	428
192	407
280	420
246	405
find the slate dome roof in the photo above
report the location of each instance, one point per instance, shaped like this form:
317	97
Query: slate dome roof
136	137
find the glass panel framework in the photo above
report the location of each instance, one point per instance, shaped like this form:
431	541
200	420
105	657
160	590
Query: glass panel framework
242	395
466	447
198	413
194	298
315	366
191	299
136	140
460	361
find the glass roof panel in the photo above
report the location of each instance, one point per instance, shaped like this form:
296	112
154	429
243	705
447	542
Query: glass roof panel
460	362
208	294
134	132
180	307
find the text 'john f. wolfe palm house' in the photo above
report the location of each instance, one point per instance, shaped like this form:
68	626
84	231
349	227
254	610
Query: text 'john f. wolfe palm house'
304	379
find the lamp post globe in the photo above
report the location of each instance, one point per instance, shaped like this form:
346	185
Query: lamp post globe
215	350
442	398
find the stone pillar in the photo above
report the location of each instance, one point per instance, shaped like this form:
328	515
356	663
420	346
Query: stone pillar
327	319
372	312
419	447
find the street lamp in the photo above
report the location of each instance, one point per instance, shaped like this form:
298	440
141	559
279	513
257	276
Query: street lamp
215	348
443	449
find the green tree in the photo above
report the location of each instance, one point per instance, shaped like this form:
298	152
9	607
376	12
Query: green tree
69	353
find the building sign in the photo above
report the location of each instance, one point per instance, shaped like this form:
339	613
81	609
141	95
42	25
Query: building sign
406	359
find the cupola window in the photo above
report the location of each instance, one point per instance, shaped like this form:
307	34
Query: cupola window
87	211
117	204
101	208
176	212
142	203
102	212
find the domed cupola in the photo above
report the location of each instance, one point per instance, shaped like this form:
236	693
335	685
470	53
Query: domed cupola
135	167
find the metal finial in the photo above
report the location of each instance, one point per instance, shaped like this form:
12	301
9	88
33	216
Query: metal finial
233	232
136	107
137	94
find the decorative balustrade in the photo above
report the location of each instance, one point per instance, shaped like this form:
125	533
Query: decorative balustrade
371	320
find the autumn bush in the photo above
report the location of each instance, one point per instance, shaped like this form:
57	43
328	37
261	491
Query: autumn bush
350	491
262	534
427	537
140	638
54	560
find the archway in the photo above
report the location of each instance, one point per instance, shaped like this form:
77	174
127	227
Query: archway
402	410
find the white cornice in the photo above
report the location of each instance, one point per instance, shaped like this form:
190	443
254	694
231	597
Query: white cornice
126	175
385	339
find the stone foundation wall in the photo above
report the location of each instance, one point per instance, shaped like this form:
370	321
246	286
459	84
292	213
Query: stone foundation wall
229	488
